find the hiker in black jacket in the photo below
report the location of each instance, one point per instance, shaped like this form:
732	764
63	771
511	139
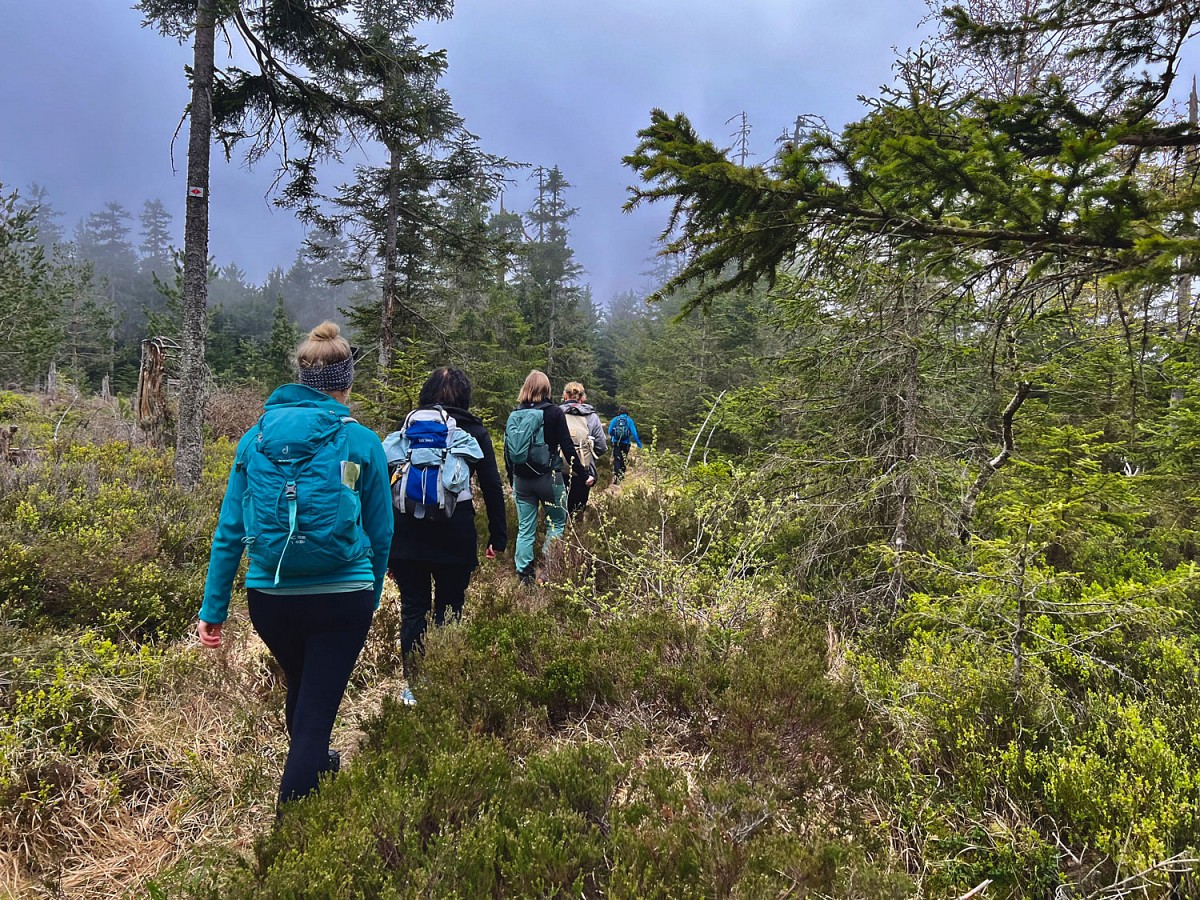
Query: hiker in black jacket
534	490
444	552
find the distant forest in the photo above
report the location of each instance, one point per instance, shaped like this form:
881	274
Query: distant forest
84	300
113	280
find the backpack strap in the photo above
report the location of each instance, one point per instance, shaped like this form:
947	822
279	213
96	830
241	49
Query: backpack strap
289	491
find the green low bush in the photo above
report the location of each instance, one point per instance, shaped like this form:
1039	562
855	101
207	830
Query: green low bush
101	537
491	786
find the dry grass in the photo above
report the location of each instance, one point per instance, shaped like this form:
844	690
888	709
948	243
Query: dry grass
192	761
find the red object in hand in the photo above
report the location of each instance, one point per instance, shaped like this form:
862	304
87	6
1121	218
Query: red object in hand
490	553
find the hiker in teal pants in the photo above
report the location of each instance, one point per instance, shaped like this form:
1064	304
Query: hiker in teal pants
536	443
527	525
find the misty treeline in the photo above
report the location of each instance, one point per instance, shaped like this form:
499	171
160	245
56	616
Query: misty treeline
84	299
416	253
91	294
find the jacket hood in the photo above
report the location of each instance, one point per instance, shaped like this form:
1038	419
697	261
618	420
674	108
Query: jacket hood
300	395
573	408
461	415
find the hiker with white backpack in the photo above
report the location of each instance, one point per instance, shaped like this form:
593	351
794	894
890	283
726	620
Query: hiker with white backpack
433	455
308	501
536	443
587	433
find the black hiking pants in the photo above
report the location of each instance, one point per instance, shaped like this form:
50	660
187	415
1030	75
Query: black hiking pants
424	588
316	638
620	452
578	492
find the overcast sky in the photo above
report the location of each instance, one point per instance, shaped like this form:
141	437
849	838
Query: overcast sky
89	102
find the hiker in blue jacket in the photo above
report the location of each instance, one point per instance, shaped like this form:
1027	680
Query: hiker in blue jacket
432	560
330	511
622	433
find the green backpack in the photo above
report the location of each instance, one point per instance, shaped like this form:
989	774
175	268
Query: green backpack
525	443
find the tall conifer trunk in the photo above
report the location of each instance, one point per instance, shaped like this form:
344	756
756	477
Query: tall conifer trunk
909	389
387	308
189	441
553	320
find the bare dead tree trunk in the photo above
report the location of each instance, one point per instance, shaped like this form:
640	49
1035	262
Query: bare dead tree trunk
711	410
387	311
1018	640
189	435
909	395
991	466
904	477
151	407
1183	290
553	319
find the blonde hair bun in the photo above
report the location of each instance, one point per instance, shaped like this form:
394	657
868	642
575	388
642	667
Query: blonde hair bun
326	331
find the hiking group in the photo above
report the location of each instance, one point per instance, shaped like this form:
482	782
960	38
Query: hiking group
325	510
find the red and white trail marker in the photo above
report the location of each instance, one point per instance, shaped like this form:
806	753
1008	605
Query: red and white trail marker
195	192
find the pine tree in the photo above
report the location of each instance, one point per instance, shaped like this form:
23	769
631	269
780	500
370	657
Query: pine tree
31	297
157	253
103	239
549	289
50	234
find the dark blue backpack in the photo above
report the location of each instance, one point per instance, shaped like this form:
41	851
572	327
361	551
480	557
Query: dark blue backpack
429	458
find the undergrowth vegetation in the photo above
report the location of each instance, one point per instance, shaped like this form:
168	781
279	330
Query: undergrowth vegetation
686	710
565	743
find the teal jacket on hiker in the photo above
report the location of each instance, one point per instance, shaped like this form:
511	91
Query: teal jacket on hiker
364	448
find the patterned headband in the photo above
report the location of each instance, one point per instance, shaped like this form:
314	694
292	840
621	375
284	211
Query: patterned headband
329	377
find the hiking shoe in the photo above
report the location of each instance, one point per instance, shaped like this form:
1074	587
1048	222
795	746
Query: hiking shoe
335	762
407	698
526	578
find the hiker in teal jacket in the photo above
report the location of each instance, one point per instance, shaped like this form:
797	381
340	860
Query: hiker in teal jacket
312	611
534	491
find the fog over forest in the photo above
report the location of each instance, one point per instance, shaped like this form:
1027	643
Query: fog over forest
565	85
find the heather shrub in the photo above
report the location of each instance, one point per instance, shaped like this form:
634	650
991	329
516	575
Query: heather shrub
558	750
101	537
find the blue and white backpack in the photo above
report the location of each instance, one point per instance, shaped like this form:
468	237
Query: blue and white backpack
429	461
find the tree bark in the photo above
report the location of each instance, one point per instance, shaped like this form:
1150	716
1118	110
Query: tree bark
189	436
553	319
387	308
909	398
992	465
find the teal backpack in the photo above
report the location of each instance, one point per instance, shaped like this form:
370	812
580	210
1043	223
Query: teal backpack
301	508
621	432
525	443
